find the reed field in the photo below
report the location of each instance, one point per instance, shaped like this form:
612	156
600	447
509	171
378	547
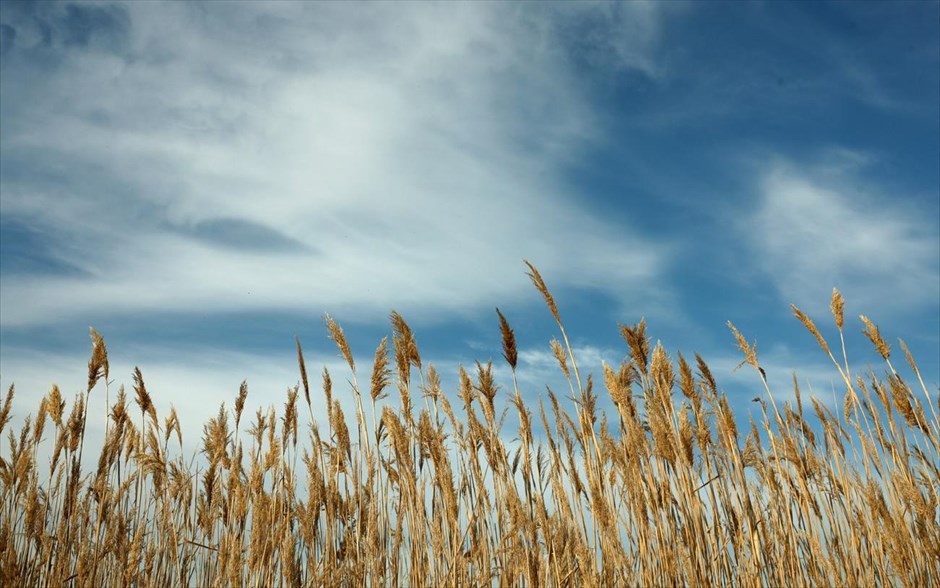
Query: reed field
407	484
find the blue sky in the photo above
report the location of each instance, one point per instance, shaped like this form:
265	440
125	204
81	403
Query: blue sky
201	182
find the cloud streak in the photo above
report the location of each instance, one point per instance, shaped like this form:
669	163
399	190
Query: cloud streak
815	229
308	156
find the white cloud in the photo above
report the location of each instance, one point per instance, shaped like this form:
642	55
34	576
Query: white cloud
818	229
414	153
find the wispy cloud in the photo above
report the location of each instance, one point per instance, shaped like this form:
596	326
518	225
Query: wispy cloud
184	157
818	228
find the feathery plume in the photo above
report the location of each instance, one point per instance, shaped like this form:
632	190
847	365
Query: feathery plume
98	364
509	341
874	335
539	283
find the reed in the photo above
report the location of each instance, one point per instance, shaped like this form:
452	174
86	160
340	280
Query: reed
669	489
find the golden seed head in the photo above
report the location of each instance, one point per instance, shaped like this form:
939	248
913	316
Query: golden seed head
240	400
143	397
337	335
404	340
539	283
837	306
56	405
750	351
509	341
638	343
327	387
380	371
874	335
98	364
303	371
559	353
811	327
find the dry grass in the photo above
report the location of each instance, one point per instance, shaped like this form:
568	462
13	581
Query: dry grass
664	492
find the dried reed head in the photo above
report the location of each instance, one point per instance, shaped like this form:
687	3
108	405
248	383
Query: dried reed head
398	436
215	439
907	404
380	371
303	371
662	374
327	387
76	423
559	352
539	283
432	388
171	424
404	339
709	386
342	432
874	335
40	422
811	326
289	420
750	351
509	341
837	306
98	364
466	388
337	335
56	406
687	381
686	435
486	386
614	386
142	396
639	344
240	401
